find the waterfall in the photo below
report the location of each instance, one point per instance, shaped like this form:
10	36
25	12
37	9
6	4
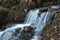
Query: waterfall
31	16
33	20
30	19
44	18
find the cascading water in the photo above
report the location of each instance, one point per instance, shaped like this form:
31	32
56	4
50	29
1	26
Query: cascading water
40	23
32	18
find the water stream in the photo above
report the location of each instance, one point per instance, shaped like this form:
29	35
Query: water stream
32	19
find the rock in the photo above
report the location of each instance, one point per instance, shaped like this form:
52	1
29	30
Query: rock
52	39
33	3
44	9
9	17
24	34
27	33
3	17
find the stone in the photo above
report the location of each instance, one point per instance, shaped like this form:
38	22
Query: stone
27	33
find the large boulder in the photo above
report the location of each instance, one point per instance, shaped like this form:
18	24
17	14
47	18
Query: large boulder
27	33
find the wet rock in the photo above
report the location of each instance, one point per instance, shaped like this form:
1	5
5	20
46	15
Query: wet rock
27	33
24	34
44	9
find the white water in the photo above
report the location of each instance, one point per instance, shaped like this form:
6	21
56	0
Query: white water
55	6
32	18
7	34
40	23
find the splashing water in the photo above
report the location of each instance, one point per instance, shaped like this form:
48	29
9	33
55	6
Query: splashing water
32	18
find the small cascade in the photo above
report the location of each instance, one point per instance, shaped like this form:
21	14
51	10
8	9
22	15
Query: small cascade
30	19
33	20
31	16
9	32
44	18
